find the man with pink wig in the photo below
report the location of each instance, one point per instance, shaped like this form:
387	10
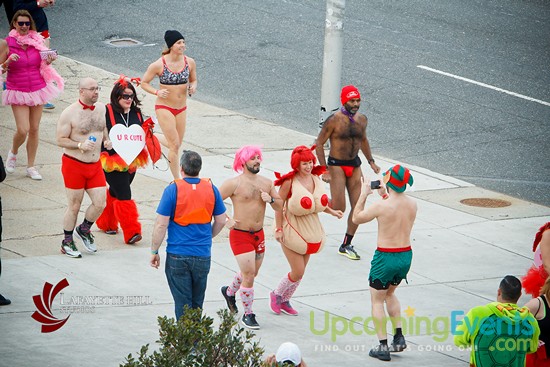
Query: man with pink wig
249	193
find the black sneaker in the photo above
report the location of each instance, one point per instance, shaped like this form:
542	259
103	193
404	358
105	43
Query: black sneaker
250	321
4	301
398	344
87	239
231	302
349	252
381	352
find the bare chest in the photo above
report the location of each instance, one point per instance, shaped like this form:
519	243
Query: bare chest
87	123
250	191
347	130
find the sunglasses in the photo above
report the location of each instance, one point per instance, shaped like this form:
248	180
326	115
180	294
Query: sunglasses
21	24
127	96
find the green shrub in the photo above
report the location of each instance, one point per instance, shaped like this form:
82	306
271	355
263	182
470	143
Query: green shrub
192	341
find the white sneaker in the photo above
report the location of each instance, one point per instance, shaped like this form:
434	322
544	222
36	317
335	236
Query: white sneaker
33	173
10	162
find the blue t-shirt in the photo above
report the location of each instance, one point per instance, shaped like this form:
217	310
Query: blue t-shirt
193	239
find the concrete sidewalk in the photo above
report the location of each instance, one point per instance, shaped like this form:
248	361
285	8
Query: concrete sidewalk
460	255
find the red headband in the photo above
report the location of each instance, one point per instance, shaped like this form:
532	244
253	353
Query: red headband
123	81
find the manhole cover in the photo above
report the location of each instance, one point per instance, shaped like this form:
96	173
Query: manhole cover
486	202
123	42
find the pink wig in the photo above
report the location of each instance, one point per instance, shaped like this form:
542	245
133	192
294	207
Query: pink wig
244	154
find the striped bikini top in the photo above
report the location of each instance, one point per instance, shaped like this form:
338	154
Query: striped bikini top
168	77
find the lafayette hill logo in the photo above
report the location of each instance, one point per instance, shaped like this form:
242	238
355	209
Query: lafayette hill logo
43	305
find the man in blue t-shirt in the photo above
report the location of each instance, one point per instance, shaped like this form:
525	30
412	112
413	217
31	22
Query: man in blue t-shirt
186	210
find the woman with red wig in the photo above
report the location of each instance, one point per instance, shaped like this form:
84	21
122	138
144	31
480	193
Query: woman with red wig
297	225
536	276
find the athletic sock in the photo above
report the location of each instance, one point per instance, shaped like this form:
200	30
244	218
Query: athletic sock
384	342
398	332
68	236
289	291
284	284
247	296
235	285
347	240
86	225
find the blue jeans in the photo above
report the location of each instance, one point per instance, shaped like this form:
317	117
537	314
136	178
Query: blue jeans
187	277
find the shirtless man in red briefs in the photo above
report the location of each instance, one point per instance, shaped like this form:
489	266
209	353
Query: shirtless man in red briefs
347	131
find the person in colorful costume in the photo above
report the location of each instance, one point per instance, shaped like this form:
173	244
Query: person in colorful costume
31	82
499	333
249	193
123	109
297	225
346	130
192	211
540	308
392	259
177	75
537	274
537	283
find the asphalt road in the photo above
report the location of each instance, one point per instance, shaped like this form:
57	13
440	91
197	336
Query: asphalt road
264	58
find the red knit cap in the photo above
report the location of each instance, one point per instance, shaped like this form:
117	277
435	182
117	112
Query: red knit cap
349	92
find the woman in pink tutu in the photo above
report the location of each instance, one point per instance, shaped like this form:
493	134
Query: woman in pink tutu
30	83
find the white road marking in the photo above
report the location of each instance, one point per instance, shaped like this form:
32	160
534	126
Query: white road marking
484	85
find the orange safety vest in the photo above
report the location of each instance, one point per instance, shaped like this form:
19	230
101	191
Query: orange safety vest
194	202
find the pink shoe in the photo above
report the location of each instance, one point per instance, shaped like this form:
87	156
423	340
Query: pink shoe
275	303
287	308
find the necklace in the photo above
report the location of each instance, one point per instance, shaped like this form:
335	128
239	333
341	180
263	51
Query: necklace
127	119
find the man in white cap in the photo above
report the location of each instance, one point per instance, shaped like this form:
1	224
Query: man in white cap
288	355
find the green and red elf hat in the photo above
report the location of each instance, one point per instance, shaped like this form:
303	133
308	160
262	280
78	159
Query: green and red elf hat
397	178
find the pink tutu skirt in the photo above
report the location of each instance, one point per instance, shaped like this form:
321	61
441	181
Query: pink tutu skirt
36	98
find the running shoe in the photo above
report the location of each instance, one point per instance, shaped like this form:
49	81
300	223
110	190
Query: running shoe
230	300
135	238
287	308
275	303
349	252
4	301
250	322
33	173
10	162
87	239
111	231
49	106
398	344
381	352
68	248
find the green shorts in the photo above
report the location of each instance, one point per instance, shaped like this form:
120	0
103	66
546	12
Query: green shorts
389	268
